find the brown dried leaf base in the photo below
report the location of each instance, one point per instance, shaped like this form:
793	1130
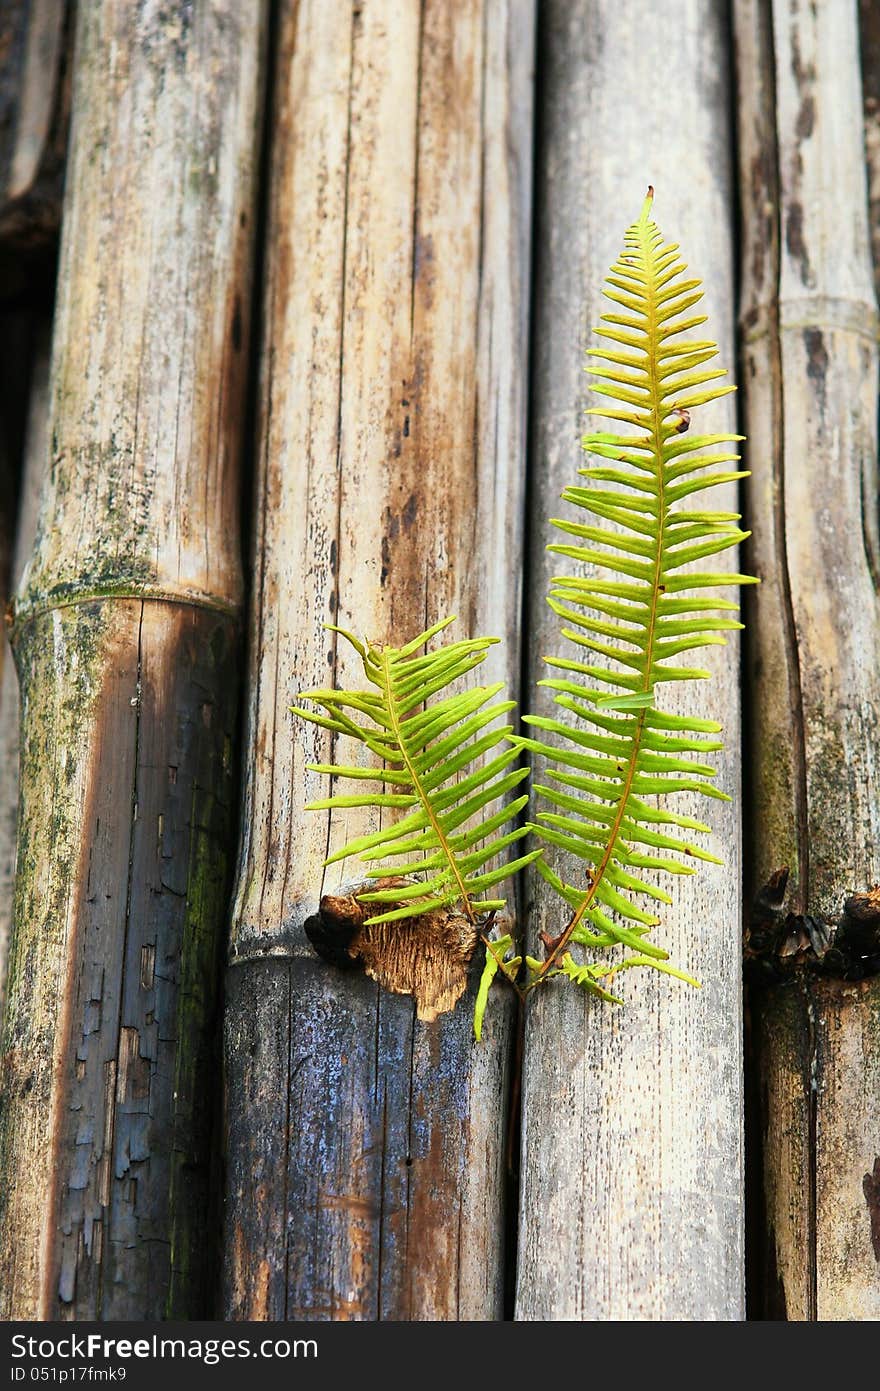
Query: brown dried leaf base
426	957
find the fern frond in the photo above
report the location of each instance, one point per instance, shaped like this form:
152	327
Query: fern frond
435	759
636	621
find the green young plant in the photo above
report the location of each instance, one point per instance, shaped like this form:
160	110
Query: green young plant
428	748
641	606
617	758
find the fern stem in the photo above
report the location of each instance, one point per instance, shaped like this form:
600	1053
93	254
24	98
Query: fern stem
492	948
657	440
420	791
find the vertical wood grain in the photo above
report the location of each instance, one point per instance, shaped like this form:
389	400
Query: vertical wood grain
809	328
365	1164
631	1204
36	448
125	631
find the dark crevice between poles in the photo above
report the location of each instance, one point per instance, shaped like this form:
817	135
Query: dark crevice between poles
755	1207
248	472
531	546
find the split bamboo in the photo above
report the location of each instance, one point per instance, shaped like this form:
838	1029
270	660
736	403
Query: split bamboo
632	1177
125	633
809	328
366	1146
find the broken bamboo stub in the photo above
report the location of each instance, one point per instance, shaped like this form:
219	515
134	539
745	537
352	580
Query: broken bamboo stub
809	333
125	634
632	1204
366	1146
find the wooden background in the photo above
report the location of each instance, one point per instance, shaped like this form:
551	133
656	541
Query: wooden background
294	297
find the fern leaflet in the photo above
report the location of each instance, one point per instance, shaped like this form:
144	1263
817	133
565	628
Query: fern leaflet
428	749
642	607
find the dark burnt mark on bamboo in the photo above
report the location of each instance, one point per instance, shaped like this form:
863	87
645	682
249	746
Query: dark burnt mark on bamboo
805	77
794	239
871	1188
817	362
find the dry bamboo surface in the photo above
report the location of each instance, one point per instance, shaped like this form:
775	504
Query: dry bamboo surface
365	1165
869	42
36	451
809	323
631	1203
34	113
125	637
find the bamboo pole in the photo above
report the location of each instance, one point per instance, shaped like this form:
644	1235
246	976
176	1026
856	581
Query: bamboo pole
809	324
631	1203
125	638
365	1146
35	107
36	449
869	43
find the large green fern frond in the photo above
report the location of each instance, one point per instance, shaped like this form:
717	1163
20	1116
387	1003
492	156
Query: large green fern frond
642	610
444	762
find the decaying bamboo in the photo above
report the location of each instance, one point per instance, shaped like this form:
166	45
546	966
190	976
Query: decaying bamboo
631	1203
36	451
365	1164
809	324
125	638
34	99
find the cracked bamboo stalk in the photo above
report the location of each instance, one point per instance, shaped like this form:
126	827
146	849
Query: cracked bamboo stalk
809	328
125	634
366	1147
631	1203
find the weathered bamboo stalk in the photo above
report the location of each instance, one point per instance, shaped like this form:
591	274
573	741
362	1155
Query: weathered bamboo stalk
366	1148
869	44
35	104
632	1200
36	451
125	638
809	324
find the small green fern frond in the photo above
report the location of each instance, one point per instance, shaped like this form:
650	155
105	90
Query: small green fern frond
429	750
496	959
637	619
